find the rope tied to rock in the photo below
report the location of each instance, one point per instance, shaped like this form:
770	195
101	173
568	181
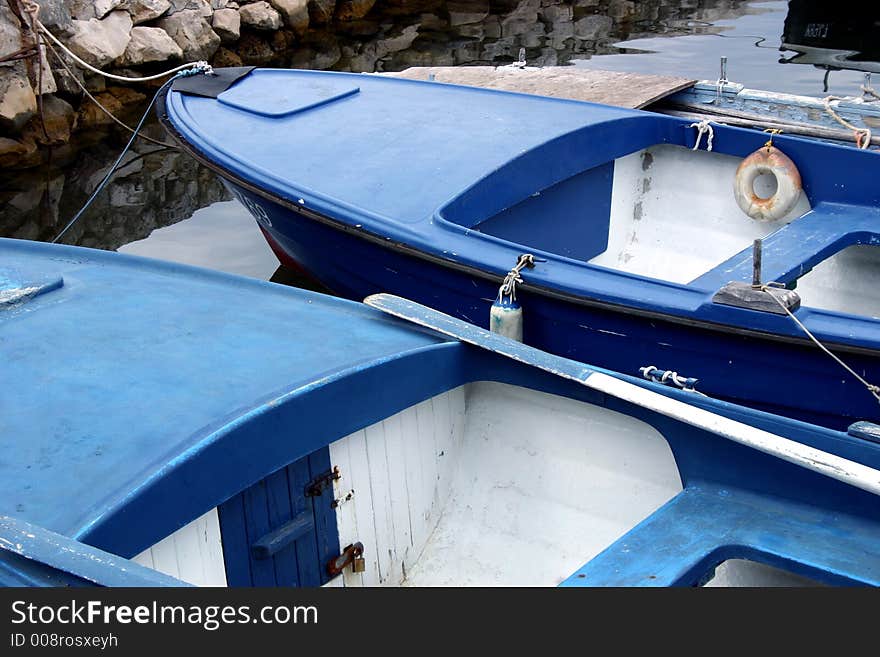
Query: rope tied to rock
862	135
33	10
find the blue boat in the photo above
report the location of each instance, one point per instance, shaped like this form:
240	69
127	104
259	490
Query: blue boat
166	425
643	227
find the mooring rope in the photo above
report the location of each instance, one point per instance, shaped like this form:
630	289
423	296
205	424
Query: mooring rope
874	390
862	135
98	103
33	10
703	127
115	166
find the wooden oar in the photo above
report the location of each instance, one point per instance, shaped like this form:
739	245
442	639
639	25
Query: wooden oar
830	465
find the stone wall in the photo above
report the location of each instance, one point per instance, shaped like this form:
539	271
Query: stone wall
41	105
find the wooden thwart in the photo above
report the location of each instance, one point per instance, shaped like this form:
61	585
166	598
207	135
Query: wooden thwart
633	90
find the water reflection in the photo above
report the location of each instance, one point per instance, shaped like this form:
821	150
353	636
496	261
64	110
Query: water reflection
163	188
153	188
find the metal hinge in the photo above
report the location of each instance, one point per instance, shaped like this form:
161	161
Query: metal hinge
316	487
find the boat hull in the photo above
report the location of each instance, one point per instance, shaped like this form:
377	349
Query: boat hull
788	377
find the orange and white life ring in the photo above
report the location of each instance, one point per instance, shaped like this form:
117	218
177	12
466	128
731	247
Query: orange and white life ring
767	160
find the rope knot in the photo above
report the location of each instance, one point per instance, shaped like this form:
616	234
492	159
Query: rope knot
703	127
513	278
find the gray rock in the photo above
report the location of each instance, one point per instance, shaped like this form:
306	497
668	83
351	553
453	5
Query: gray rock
83	10
294	12
58	121
192	33
43	81
10	34
227	25
593	27
149	44
400	41
260	16
10	42
465	12
218	4
55	15
352	10
99	42
142	11
202	6
65	81
18	103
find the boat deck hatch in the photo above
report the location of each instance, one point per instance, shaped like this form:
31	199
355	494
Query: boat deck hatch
278	100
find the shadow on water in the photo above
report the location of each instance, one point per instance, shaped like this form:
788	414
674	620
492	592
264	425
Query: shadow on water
163	204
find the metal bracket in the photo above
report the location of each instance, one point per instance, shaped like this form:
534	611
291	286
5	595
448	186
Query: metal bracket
763	298
743	295
353	554
316	487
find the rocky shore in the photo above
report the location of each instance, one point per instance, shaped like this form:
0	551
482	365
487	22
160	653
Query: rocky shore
41	104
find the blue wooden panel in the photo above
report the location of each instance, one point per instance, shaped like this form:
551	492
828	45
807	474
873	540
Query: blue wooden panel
233	530
280	514
274	534
299	475
327	546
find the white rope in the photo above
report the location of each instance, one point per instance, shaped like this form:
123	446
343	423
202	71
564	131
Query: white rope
508	287
862	135
874	390
703	127
98	103
31	6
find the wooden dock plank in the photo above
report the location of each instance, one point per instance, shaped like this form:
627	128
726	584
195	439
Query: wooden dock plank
633	90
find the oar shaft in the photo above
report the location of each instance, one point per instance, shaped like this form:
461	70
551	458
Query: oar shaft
830	465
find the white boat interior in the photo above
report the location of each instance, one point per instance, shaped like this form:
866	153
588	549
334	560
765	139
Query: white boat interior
485	485
671	215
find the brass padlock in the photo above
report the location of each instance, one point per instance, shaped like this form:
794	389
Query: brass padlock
352	554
